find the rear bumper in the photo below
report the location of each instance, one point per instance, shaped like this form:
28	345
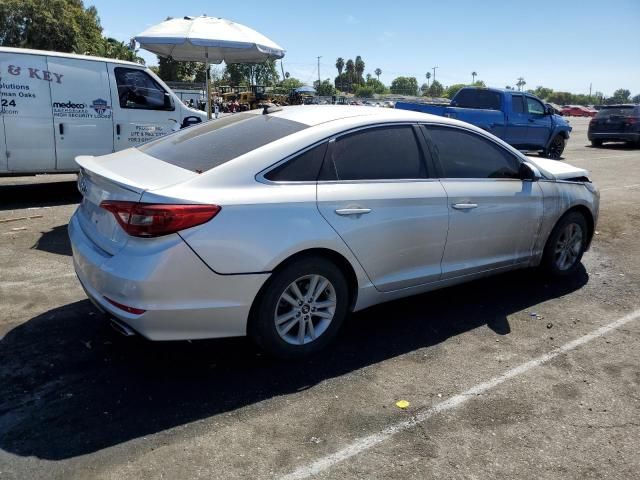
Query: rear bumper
622	136
182	298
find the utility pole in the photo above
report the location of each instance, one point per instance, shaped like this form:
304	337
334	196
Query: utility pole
434	74
319	70
590	91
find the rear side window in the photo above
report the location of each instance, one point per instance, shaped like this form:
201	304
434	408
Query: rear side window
384	153
517	104
208	145
476	98
303	168
625	111
138	90
465	154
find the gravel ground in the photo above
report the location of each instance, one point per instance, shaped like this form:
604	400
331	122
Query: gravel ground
77	401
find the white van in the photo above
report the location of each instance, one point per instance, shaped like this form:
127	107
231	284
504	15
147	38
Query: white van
55	106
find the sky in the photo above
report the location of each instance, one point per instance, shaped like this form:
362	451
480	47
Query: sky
566	45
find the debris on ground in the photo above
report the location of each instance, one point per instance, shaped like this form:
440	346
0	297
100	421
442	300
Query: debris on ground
549	325
16	219
403	404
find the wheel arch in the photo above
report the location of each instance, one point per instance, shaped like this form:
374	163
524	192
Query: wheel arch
588	216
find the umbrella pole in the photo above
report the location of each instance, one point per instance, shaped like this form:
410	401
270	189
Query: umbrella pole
208	92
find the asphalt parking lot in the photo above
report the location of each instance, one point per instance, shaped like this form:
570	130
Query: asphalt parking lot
516	376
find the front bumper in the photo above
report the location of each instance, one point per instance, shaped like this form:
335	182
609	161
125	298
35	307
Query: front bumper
182	298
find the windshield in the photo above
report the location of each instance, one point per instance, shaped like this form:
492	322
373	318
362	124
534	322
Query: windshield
615	111
206	146
473	98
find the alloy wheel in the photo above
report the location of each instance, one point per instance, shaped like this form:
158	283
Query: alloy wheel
568	247
305	309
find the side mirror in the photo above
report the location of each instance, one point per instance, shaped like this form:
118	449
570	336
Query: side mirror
548	110
529	172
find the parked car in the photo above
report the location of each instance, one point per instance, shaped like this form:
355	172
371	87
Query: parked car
299	216
56	106
615	123
520	119
577	111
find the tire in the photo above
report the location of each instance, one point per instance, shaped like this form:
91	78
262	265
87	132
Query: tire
286	340
559	243
596	143
556	147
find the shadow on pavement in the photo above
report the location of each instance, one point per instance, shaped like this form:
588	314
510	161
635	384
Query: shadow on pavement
55	241
70	386
618	146
38	195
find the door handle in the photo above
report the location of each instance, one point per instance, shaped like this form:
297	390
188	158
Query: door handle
61	128
117	129
352	211
464	206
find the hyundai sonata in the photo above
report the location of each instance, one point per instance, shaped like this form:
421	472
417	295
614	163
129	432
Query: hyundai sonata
278	223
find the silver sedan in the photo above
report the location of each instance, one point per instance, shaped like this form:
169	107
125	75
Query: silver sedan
278	223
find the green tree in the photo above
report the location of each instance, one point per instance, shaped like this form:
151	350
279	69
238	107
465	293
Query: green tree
60	25
635	99
364	91
428	76
290	84
451	91
326	88
404	86
520	83
112	48
620	96
473	77
351	69
542	92
173	71
378	72
436	89
359	68
340	67
264	73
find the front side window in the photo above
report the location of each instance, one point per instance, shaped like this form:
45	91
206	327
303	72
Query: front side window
534	106
464	154
138	90
383	153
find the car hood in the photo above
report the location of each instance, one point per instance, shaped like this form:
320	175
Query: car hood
557	170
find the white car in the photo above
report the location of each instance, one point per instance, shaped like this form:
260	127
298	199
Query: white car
276	224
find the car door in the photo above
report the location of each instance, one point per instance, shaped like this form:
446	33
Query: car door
142	109
3	145
375	191
82	110
517	122
494	216
539	123
26	106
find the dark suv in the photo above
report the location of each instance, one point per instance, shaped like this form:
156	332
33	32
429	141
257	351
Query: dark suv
615	123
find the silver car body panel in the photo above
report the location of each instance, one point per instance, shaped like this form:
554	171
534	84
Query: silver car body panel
202	282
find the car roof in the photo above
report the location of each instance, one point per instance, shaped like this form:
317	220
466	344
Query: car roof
28	51
313	115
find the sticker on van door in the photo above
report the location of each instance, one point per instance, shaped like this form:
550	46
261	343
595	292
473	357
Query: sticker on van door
98	108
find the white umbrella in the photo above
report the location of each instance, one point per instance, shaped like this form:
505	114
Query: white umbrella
209	40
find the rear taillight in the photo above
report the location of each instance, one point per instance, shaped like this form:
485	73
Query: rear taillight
631	120
126	308
155	219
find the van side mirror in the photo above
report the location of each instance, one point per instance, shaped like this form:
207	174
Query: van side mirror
529	172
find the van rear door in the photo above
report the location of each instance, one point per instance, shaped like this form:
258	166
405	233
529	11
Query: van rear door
142	108
82	110
26	106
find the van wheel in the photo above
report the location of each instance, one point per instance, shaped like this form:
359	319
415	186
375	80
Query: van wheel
596	143
556	147
565	246
301	309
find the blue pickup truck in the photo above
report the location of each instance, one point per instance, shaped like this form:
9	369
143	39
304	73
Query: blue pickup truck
520	119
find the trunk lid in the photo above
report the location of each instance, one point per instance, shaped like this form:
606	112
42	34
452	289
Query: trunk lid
124	175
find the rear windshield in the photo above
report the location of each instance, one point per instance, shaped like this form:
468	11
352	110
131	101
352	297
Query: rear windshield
203	147
473	98
615	111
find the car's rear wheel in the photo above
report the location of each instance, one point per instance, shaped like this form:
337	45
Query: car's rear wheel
596	143
566	245
556	147
301	309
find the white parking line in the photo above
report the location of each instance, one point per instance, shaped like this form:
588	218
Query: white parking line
622	186
365	443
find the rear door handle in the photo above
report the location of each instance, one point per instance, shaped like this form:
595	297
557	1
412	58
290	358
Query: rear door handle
352	211
464	206
61	128
117	129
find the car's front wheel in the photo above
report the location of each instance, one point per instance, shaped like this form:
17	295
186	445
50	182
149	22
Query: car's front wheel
566	245
301	309
556	147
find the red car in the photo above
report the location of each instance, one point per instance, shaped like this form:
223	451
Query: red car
577	111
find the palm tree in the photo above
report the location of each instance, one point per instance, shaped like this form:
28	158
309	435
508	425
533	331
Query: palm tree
340	67
350	68
378	72
359	69
521	83
428	76
473	77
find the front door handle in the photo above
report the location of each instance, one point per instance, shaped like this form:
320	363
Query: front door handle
464	206
352	211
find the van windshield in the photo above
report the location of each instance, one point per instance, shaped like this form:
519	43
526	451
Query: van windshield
206	146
